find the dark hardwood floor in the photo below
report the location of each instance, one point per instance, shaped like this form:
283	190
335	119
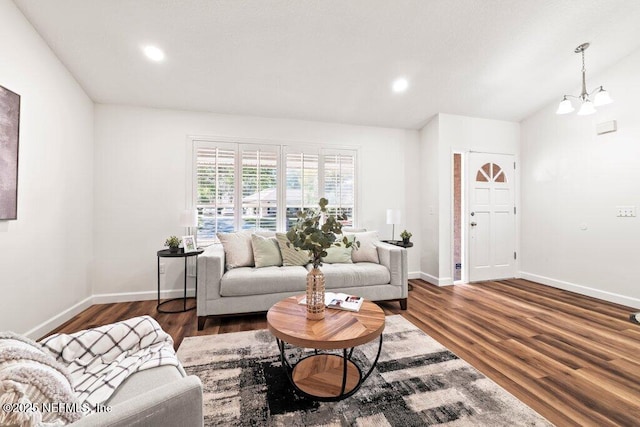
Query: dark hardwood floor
574	359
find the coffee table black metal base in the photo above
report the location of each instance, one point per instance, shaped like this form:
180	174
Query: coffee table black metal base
166	253
348	364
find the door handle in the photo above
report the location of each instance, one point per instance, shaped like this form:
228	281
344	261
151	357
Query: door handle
473	224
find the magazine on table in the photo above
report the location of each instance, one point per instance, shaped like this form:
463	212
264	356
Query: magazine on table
340	301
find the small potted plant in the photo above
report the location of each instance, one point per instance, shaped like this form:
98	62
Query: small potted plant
173	242
405	235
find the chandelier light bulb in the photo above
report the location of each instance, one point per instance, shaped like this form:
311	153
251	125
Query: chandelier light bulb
602	98
565	106
586	108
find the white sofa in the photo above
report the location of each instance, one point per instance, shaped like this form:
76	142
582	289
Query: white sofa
162	396
244	290
61	368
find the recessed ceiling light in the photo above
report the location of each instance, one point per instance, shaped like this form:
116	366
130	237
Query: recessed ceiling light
400	85
153	53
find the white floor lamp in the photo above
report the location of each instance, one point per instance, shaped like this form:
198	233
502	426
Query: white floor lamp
393	218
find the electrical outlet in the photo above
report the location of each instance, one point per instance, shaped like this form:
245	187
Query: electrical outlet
161	268
626	211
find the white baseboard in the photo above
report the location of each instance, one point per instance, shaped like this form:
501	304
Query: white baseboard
57	320
140	296
583	290
414	275
435	280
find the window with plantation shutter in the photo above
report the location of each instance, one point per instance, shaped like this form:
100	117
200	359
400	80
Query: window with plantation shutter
302	189
339	184
262	186
259	204
215	191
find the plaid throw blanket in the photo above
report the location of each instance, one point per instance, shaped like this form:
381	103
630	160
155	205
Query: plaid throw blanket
100	359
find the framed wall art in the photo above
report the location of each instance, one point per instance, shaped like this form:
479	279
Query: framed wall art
9	136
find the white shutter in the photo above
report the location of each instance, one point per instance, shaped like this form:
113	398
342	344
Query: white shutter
302	181
339	174
215	190
259	196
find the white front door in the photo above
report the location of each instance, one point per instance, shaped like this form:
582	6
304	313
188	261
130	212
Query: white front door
491	216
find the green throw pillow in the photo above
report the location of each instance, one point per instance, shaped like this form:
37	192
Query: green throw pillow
339	254
266	251
291	255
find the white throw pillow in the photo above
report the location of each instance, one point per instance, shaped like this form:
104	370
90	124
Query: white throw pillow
266	252
238	251
367	251
29	378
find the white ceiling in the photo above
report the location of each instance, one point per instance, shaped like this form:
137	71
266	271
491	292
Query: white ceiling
335	60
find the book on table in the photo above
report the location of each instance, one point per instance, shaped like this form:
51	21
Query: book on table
340	301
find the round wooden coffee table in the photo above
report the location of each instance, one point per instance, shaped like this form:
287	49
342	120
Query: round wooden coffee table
325	376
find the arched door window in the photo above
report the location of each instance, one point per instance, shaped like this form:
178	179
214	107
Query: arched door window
490	172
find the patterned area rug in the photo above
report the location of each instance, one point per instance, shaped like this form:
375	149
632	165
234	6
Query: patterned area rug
417	382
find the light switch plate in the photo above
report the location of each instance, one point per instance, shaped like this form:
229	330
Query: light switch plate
626	211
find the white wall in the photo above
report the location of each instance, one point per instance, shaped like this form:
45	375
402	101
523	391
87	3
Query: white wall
440	138
46	252
140	182
572	181
429	200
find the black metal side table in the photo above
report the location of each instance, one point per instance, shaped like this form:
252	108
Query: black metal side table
166	253
399	243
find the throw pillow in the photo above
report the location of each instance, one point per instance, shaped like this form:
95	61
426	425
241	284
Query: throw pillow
350	230
291	255
30	378
339	254
367	252
238	251
266	251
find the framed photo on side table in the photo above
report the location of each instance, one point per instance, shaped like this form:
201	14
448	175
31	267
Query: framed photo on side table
189	243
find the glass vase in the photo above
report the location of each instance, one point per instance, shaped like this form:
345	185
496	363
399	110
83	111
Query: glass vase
315	294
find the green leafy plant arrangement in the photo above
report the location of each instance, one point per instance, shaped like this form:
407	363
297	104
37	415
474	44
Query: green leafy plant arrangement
405	235
173	242
309	235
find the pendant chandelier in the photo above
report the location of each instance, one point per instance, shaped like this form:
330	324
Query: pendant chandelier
587	106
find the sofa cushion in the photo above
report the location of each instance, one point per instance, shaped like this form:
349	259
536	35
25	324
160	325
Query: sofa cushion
367	250
259	281
290	255
351	275
30	376
266	252
238	251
